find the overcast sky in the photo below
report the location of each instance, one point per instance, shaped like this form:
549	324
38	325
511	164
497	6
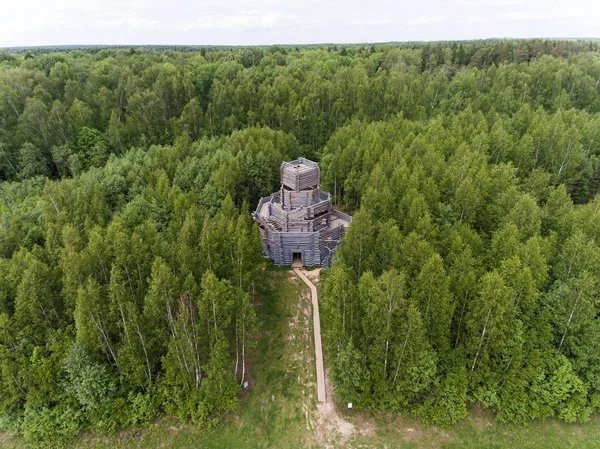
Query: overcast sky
251	22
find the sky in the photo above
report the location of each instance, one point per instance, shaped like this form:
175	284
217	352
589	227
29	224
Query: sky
266	22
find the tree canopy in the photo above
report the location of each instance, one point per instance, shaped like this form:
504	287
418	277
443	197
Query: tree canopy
128	256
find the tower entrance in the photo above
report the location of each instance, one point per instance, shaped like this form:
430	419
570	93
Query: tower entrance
297	260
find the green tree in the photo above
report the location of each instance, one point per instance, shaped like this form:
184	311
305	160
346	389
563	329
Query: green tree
94	329
350	376
88	381
436	304
358	244
32	162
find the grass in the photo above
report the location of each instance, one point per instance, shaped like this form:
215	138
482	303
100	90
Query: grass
280	409
480	431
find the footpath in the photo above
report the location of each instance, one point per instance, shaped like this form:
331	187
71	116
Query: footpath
317	337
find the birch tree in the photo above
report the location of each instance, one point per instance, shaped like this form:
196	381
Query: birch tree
382	320
436	304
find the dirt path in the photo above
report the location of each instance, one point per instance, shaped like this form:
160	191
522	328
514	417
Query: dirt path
321	396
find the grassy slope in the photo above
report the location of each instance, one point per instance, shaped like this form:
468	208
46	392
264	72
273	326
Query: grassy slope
281	410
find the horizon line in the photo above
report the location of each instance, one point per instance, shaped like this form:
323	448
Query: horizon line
65	46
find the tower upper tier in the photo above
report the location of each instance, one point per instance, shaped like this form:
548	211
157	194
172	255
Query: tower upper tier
300	174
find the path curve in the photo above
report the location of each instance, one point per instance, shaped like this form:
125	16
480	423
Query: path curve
317	331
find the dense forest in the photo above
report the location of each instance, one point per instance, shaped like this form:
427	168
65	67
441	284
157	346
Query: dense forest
128	258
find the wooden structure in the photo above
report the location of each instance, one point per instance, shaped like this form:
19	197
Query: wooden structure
298	224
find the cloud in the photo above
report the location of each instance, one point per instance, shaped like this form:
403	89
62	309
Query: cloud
371	23
132	21
424	20
471	19
545	15
243	21
499	3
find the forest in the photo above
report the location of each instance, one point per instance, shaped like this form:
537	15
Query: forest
129	260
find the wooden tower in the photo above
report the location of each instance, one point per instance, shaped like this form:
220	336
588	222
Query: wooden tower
298	224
